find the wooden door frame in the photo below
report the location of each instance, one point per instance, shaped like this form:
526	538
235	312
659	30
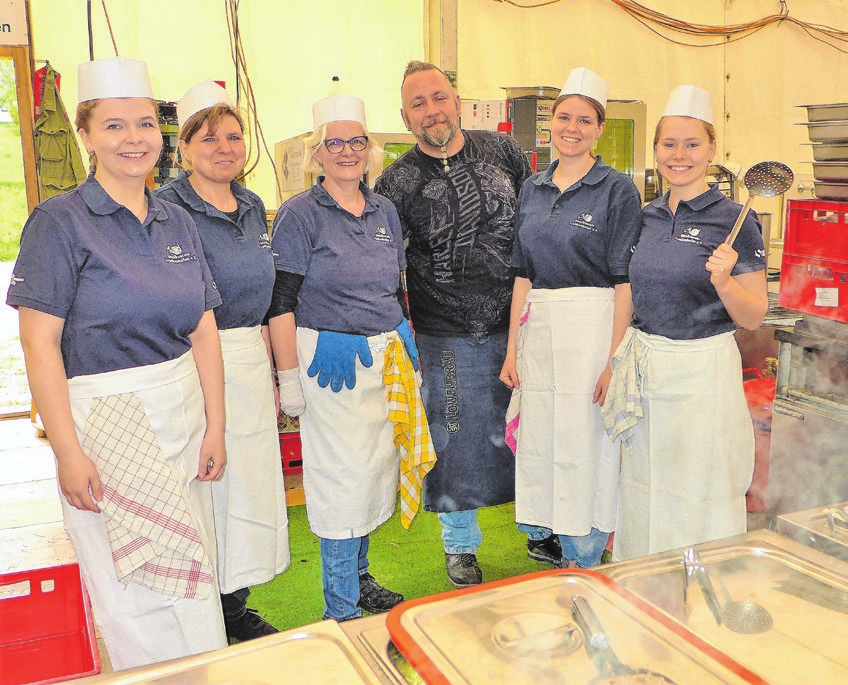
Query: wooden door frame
22	60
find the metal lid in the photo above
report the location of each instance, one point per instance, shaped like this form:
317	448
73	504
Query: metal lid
522	631
319	653
805	592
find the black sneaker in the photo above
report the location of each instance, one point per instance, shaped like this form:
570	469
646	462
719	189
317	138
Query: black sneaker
463	570
374	598
250	626
548	550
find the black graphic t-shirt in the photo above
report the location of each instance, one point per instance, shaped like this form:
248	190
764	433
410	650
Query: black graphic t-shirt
460	227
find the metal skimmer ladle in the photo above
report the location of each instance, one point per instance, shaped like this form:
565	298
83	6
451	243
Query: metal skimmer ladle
740	616
766	179
611	671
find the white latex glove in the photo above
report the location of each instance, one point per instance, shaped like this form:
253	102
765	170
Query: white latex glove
291	394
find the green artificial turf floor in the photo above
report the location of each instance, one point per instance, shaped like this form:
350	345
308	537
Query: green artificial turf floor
411	562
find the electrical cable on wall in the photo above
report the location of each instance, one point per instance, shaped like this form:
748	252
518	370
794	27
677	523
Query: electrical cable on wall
657	22
245	87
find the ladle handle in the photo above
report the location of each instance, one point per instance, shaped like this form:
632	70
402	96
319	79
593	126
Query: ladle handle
707	587
739	221
595	635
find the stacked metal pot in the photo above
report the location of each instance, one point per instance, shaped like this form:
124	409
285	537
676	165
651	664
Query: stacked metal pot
827	126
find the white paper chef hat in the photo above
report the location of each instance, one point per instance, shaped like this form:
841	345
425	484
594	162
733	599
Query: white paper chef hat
583	81
116	77
338	108
204	95
690	101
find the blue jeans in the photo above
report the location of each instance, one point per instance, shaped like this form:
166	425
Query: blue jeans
586	550
342	562
461	531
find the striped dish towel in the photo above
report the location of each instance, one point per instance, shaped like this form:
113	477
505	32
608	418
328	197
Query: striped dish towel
623	405
411	432
513	411
153	538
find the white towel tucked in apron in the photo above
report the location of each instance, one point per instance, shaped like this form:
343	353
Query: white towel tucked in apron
692	457
141	626
350	463
251	522
567	468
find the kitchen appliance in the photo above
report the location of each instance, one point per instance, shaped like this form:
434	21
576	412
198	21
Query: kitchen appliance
622	145
804	591
823	528
289	156
521	631
810	418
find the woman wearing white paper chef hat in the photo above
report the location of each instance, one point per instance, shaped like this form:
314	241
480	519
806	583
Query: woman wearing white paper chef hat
691	456
251	523
576	224
337	319
124	362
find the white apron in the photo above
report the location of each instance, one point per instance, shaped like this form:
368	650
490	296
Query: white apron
567	469
692	457
350	464
140	626
251	521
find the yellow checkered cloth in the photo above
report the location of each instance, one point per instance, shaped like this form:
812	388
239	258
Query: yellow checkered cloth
411	431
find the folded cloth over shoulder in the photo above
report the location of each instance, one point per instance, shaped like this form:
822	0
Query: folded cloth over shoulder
411	432
153	537
622	408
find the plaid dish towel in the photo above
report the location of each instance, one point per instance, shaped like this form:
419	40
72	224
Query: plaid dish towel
410	430
153	538
623	405
513	411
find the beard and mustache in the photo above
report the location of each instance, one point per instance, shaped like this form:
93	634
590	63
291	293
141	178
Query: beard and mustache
438	141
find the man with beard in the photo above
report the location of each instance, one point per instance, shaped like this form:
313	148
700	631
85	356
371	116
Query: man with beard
456	192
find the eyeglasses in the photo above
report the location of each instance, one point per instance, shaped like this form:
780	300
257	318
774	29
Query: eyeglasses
336	145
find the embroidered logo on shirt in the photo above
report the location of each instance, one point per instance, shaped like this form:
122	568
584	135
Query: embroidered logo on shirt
759	253
584	220
690	235
15	280
382	235
264	242
176	255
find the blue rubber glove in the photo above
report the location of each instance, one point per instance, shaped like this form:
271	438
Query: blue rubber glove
405	332
335	359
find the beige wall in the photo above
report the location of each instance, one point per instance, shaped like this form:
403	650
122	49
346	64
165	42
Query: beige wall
293	51
756	82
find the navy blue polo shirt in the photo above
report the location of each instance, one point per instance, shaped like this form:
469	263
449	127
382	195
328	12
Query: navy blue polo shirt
581	237
672	293
130	293
238	251
351	265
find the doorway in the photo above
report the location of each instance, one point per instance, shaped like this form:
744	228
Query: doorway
18	194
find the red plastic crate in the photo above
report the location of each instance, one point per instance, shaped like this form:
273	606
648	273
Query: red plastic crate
814	286
817	229
291	452
46	630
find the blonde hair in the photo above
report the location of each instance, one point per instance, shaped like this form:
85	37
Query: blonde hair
316	140
709	128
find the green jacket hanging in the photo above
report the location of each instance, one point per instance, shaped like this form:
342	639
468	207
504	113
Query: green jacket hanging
58	160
